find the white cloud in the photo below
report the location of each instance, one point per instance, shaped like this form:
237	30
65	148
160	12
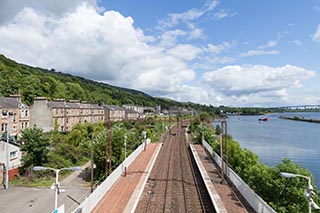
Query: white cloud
316	36
177	18
257	83
104	47
259	52
223	14
195	34
9	8
169	38
221	60
272	43
184	51
186	17
218	48
211	4
191	93
297	43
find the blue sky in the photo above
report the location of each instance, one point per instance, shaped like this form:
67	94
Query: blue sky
235	53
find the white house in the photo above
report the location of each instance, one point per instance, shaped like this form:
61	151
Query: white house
14	159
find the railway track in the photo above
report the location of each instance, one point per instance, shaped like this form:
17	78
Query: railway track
174	184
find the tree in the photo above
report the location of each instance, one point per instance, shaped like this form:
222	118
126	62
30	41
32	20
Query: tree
75	91
100	154
35	147
31	88
117	144
218	130
204	117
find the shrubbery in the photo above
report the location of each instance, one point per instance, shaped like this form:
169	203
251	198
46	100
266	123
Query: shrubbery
284	195
58	150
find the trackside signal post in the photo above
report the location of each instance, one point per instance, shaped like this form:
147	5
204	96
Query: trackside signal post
223	146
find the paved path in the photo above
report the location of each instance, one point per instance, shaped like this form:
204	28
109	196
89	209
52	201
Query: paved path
41	199
123	196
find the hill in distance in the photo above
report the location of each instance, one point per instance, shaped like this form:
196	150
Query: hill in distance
31	82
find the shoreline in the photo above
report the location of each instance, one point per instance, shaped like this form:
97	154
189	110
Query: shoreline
296	118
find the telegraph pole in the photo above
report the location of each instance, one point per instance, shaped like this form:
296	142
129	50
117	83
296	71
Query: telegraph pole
224	147
108	146
92	160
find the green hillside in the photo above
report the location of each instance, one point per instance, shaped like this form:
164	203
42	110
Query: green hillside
31	82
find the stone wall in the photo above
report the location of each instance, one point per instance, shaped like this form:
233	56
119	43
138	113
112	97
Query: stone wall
41	115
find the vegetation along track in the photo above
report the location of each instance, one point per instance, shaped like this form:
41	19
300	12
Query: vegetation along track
174	184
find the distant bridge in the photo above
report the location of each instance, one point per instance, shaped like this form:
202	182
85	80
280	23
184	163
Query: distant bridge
299	107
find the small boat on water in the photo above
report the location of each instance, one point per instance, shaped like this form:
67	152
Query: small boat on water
263	119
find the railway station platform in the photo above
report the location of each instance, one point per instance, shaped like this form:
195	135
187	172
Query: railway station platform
224	199
125	193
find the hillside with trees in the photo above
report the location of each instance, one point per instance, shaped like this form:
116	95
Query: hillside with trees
31	82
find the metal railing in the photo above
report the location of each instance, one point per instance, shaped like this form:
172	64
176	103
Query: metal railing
256	202
90	202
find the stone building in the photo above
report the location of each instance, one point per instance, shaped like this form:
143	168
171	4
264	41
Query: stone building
143	109
114	113
133	115
63	115
15	114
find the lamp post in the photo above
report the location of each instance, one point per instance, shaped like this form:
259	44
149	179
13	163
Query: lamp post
39	168
144	135
309	193
92	160
7	113
125	146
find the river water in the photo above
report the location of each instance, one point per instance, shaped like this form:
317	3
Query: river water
277	139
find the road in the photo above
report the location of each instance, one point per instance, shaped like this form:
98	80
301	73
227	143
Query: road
41	199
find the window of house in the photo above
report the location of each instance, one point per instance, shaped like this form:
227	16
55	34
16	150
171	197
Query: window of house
14	154
26	124
67	120
22	125
15	117
4	114
26	113
3	127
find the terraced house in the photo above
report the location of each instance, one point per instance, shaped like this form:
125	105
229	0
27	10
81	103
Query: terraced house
62	115
15	114
114	113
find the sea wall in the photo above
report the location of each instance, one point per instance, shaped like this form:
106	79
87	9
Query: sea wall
296	118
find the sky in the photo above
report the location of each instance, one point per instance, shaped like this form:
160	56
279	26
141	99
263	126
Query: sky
230	52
